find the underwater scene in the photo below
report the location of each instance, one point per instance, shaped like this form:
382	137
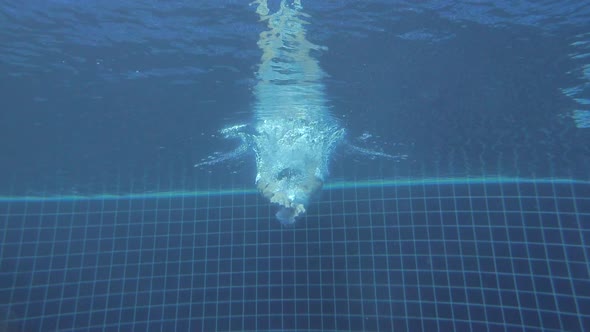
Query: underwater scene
294	165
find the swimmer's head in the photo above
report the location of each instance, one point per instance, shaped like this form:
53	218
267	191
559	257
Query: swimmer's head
291	188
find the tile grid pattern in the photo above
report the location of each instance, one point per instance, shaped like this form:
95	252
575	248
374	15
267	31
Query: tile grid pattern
423	256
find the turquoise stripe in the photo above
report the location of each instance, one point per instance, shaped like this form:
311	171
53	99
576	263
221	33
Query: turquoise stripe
331	186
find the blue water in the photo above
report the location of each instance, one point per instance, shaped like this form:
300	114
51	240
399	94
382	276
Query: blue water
105	106
127	96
